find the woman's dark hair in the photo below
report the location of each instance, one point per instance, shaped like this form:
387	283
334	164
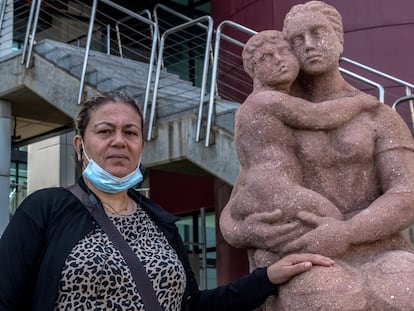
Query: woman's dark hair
83	117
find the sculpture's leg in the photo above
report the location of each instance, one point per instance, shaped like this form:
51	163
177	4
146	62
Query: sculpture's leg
338	288
390	278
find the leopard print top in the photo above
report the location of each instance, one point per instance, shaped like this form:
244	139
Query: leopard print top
96	277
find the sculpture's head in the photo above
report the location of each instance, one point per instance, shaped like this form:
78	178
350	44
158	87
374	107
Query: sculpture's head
269	60
315	32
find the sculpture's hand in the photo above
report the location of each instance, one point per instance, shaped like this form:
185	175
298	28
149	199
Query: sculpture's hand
329	238
266	230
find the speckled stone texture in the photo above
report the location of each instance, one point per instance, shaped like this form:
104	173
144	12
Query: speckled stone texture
325	169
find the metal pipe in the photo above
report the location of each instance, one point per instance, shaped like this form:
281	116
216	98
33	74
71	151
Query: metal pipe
2	13
155	30
87	48
204	78
380	88
377	72
33	36
153	46
214	72
108	39
203	247
402	99
410	104
118	39
158	70
26	37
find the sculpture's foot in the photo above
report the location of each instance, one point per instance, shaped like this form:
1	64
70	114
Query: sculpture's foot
391	280
323	289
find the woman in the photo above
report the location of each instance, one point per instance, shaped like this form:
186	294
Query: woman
54	256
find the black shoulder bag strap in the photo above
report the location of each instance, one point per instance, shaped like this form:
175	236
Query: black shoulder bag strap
138	272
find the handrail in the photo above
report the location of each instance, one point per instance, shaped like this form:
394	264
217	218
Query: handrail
153	47
160	56
402	99
26	37
408	86
87	48
208	57
2	13
381	92
214	69
118	33
377	72
175	13
34	14
410	99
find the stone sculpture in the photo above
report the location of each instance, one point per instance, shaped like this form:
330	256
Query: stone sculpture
328	170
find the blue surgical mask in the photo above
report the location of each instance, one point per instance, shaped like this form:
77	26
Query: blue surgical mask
105	181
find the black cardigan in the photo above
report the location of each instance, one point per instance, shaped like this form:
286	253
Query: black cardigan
50	222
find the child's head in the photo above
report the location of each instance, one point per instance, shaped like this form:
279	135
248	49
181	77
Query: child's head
268	58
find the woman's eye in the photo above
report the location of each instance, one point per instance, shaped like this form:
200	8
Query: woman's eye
104	131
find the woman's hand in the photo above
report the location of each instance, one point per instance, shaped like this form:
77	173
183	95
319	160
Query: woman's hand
294	264
329	238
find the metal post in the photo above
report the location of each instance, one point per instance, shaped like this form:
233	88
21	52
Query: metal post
87	48
203	281
108	39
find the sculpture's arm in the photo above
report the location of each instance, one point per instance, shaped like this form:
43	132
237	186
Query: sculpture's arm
395	167
389	214
302	114
257	230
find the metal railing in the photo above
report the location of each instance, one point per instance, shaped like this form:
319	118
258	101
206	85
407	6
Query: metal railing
199	53
154	28
143	40
214	71
176	29
3	6
408	87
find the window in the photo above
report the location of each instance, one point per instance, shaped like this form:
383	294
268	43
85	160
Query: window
198	232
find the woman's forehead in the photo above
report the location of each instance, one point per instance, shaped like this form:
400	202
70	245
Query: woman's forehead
114	110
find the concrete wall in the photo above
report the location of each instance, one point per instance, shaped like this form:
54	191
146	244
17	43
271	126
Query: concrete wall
51	163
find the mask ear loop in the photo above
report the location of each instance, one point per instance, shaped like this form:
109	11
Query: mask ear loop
80	154
82	151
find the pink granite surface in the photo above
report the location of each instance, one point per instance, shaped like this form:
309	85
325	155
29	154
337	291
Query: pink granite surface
325	168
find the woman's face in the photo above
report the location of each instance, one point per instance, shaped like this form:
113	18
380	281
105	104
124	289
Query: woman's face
314	42
113	138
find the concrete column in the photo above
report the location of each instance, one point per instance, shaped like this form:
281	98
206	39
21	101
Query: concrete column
5	150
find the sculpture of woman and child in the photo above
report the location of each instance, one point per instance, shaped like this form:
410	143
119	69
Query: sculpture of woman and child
329	170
